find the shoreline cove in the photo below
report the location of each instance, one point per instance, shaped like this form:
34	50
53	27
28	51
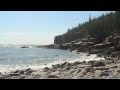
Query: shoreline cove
52	70
100	69
84	57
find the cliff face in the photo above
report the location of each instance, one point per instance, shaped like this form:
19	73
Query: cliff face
98	28
68	37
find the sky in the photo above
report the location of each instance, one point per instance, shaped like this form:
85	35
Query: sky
39	27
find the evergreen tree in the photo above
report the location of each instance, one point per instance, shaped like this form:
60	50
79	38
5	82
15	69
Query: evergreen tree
98	28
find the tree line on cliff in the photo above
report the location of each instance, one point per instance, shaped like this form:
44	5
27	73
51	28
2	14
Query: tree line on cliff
98	28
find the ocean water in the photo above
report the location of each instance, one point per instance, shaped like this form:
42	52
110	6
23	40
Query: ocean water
37	58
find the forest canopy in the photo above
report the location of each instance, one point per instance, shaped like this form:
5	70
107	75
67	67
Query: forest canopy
98	28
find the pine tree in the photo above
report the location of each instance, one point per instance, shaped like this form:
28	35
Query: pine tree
98	28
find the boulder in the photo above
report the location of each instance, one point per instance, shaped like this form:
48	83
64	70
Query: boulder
84	66
108	44
28	71
110	39
113	66
92	39
117	48
101	68
84	39
111	49
65	46
99	46
77	71
99	55
77	63
103	45
56	66
72	71
22	76
116	75
117	70
46	69
95	51
38	74
98	63
14	74
21	72
116	40
86	69
65	64
52	76
99	74
90	62
66	68
17	71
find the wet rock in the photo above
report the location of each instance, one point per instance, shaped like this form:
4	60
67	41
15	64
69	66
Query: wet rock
65	64
56	66
77	63
46	69
28	71
84	63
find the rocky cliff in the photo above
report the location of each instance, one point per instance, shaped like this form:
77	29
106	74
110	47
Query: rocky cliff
99	28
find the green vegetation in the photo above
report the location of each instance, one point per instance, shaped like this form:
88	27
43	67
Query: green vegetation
98	28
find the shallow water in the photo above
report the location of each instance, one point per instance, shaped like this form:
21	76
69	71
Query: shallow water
37	58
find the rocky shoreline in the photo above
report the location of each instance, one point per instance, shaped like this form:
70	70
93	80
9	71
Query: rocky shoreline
102	69
109	68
